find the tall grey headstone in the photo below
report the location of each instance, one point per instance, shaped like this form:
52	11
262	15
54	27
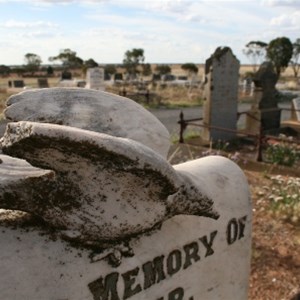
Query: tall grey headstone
95	79
221	93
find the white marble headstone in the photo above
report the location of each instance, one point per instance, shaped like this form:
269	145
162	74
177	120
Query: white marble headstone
87	215
187	258
95	79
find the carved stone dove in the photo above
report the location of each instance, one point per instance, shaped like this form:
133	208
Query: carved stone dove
93	187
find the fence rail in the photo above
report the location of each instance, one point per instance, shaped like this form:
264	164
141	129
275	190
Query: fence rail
260	138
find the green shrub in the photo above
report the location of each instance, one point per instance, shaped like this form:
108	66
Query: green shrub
285	198
283	153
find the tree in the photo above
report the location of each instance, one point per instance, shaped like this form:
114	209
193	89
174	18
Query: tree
163	69
190	68
295	57
146	70
4	70
256	52
279	52
50	71
110	69
90	63
132	59
19	70
68	58
33	62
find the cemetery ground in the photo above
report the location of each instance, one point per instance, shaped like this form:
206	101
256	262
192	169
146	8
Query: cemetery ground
275	265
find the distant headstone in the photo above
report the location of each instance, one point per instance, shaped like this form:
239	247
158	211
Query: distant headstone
43	83
66	75
295	114
182	78
18	83
248	86
156	77
95	79
168	77
81	83
294	121
221	93
118	77
107	76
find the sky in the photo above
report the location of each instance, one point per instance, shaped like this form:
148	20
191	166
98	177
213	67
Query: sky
169	31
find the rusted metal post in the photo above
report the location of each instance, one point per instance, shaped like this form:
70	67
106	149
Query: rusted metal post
182	127
147	95
124	92
259	145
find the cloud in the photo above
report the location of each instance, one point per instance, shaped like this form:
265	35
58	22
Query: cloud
291	21
287	3
172	6
25	25
39	34
48	3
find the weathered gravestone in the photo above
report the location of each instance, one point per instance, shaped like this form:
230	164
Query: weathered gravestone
43	83
66	79
221	93
95	79
264	113
66	75
295	111
90	216
294	121
118	77
16	84
91	110
248	86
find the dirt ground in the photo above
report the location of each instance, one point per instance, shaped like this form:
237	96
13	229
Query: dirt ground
275	262
275	269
